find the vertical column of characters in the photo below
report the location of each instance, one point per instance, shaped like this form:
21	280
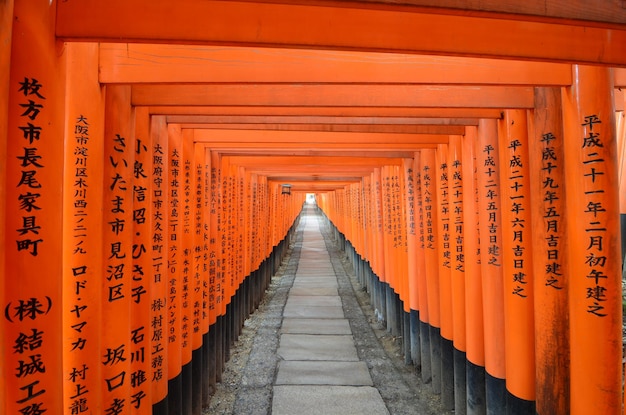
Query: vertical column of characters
475	333
253	221
206	235
457	269
593	241
117	246
367	219
6	29
378	224
240	229
246	206
178	338
194	179
489	207
547	190
214	267
412	305
225	234
420	268
33	247
387	226
431	220
187	283
164	309
144	328
444	268
82	235
517	262
400	238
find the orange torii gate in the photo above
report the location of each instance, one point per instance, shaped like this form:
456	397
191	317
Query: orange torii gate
168	155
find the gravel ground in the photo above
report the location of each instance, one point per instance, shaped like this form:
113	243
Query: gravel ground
246	386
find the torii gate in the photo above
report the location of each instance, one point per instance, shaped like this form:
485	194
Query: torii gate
148	141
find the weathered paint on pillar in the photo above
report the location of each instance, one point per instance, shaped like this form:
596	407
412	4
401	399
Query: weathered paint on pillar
6	30
517	264
549	219
593	242
82	234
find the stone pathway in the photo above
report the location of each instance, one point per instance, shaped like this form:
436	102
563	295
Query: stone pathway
319	371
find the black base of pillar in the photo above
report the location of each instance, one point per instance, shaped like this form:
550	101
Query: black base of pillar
196	382
415	340
187	388
435	358
460	383
175	395
427	373
161	407
519	406
447	374
476	399
495	391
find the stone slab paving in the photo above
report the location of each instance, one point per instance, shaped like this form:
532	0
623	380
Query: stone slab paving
327	400
316	326
320	371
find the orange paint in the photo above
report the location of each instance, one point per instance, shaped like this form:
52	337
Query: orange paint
161	295
549	220
147	334
174	252
32	219
82	236
117	248
412	286
517	260
422	284
593	248
490	226
430	220
457	240
473	270
444	231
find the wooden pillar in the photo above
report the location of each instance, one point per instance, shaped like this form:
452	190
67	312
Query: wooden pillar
475	333
163	353
412	277
147	330
117	248
422	284
593	241
6	30
82	236
190	399
457	269
444	259
175	264
549	218
517	262
32	286
429	203
489	208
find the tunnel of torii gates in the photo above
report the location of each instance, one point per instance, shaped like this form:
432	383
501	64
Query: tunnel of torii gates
156	156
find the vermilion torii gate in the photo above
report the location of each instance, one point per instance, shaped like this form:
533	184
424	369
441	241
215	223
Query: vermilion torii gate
469	157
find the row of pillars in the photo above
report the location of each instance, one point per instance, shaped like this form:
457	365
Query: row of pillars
130	254
497	257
